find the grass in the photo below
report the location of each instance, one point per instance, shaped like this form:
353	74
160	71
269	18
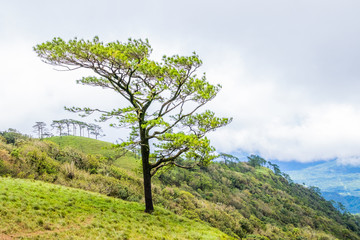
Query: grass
86	145
37	210
93	146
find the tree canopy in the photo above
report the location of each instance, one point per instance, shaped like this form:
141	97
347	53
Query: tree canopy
256	161
163	99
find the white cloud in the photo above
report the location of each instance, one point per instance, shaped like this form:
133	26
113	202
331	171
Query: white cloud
289	70
349	160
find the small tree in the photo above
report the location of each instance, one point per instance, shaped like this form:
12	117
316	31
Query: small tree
59	126
256	161
228	158
82	126
96	130
276	168
162	99
67	124
40	129
74	125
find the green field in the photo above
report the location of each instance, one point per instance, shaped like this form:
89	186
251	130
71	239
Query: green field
36	210
92	146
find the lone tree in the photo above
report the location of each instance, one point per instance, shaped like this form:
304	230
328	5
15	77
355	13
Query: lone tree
162	99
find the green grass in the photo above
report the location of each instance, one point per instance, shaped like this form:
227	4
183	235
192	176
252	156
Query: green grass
93	146
86	145
37	210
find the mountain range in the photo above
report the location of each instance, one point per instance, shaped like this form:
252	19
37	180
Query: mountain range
337	182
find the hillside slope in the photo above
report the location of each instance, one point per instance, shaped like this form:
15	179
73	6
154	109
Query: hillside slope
240	200
37	210
92	146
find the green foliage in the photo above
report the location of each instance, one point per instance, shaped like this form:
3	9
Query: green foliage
256	161
127	69
12	136
162	98
82	145
4	162
85	145
276	169
228	158
266	203
42	162
240	200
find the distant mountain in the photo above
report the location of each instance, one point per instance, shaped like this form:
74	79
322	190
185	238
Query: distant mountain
340	183
293	165
351	203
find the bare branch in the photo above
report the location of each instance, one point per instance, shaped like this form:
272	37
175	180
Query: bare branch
68	69
169	159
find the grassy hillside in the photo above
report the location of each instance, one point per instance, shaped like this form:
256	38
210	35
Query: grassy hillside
238	199
263	203
86	145
92	146
38	210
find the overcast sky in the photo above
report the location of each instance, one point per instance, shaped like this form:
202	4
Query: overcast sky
290	70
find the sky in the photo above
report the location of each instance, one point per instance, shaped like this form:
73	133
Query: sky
289	69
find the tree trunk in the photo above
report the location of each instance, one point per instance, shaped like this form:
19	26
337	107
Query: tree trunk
149	208
145	152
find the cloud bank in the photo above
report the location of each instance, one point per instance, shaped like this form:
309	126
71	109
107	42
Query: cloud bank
289	69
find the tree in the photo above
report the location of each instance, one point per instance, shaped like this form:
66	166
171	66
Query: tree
228	158
162	99
40	129
82	126
288	178
12	136
88	129
59	125
276	168
96	130
256	161
74	124
67	123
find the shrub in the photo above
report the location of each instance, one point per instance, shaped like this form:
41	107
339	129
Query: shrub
69	170
15	153
41	162
4	162
11	136
93	162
